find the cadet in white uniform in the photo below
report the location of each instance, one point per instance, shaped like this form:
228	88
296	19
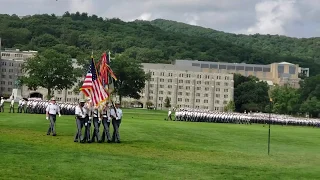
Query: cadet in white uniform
116	116
12	105
20	106
81	114
1	104
52	110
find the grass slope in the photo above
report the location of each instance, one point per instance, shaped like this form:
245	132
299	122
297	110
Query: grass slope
152	148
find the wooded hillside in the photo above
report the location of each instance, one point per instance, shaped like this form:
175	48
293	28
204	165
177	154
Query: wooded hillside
157	41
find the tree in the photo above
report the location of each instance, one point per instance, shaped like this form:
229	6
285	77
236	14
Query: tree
286	100
311	106
130	77
167	102
230	107
50	70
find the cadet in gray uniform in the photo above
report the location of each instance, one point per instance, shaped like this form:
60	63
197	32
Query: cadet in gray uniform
87	122
116	116
106	124
80	113
51	114
1	104
96	123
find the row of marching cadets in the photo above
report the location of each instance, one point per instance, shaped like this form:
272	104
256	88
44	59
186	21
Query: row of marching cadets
87	115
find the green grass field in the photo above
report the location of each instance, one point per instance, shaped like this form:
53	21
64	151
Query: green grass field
152	148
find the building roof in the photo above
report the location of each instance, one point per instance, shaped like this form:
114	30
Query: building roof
170	67
190	62
286	63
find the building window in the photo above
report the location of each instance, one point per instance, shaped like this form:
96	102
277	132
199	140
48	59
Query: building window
217	102
180	81
226	84
205	101
186	100
151	91
170	80
280	69
179	99
225	102
206	89
187	94
69	92
226	96
198	88
218	77
198	94
216	108
170	74
10	77
218	89
151	97
188	81
199	76
207	83
161	86
197	100
218	95
226	90
10	70
3	82
180	87
218	83
160	98
4	70
152	79
188	75
169	92
206	95
198	82
9	89
160	92
207	77
180	93
187	87
59	92
3	76
292	70
169	86
226	78
162	74
151	85
9	83
161	80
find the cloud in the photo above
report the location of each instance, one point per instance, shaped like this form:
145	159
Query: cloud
273	16
82	6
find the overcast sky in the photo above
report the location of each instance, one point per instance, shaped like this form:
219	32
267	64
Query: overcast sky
296	18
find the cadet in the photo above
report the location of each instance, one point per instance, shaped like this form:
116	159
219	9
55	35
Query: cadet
80	113
106	124
20	106
96	123
87	121
1	104
51	114
116	116
12	105
169	115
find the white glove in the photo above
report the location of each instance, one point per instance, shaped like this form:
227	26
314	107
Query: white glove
47	118
83	116
85	124
99	121
90	118
59	115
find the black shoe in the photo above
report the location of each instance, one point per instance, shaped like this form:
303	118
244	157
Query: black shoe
54	134
100	141
75	141
48	134
82	141
108	141
118	142
89	141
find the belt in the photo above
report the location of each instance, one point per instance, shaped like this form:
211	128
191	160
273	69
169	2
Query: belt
52	114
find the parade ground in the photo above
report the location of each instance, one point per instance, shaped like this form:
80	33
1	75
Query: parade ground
152	148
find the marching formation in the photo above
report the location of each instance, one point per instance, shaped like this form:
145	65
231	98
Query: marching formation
196	115
86	115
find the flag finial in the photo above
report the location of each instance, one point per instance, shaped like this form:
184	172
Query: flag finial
92	54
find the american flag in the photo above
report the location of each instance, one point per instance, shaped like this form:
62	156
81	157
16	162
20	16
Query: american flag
92	86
